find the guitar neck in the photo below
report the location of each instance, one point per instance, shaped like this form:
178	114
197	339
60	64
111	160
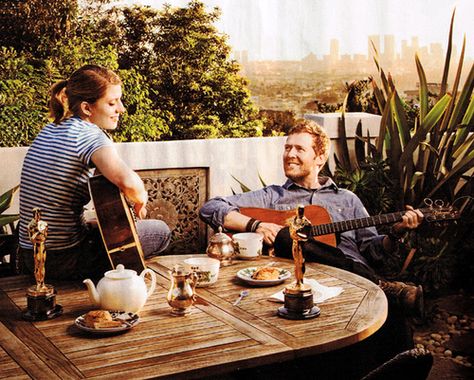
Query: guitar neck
354	224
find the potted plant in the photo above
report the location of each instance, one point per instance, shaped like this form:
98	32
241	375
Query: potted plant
8	237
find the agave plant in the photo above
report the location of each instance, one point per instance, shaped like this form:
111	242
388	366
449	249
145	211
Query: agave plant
368	175
8	240
435	158
7	221
428	156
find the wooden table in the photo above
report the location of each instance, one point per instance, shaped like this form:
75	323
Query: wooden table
215	338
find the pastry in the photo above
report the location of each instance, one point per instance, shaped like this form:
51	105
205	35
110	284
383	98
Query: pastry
98	319
266	273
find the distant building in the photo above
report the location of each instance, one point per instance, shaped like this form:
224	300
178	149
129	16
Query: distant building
389	48
334	51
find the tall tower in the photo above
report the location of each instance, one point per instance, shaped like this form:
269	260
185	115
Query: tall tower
334	50
389	48
414	44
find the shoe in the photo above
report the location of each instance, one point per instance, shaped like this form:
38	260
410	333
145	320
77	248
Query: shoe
409	297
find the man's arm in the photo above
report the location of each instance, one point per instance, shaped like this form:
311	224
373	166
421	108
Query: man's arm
224	211
109	163
236	221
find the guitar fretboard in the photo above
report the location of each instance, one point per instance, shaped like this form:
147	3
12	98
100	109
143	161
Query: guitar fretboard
354	224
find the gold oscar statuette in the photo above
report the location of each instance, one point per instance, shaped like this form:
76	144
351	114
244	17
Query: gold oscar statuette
298	295
41	298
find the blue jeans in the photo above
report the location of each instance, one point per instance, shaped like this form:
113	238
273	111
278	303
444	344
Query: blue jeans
89	258
154	236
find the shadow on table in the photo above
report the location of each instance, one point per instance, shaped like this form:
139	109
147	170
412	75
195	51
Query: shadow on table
349	363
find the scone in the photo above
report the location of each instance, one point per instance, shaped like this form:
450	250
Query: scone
266	273
97	319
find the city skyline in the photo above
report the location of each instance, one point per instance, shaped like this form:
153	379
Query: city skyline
292	29
385	46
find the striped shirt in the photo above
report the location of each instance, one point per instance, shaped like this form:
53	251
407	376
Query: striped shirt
55	177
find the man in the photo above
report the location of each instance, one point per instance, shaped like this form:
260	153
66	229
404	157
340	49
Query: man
305	153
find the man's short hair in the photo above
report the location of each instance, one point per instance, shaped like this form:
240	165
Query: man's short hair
321	141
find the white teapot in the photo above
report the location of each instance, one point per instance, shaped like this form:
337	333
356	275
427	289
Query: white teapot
121	289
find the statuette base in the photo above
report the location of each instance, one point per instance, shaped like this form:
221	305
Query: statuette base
298	304
41	304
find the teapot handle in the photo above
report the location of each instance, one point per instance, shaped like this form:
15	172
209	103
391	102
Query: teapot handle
151	289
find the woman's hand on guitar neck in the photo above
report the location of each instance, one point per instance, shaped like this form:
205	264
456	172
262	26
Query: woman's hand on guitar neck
269	232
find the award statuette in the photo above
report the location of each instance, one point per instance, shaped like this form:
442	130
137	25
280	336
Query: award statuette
298	295
41	298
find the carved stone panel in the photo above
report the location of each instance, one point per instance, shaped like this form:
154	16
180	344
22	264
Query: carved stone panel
175	196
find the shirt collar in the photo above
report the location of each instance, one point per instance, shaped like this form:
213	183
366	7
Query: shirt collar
326	183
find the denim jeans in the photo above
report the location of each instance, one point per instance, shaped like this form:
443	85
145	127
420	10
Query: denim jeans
154	236
89	258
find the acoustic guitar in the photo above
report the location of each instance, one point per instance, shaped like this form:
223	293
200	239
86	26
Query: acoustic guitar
324	230
116	223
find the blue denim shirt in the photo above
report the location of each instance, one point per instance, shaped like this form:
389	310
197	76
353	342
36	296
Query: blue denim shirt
360	245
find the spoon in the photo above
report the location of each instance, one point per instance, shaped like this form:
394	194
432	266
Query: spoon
243	293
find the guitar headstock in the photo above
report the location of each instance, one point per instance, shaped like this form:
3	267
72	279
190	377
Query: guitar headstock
437	211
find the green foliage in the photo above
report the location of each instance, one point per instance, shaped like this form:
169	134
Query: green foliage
179	82
194	79
243	187
277	123
140	122
431	155
435	156
371	182
360	97
367	174
22	107
6	200
8	238
35	26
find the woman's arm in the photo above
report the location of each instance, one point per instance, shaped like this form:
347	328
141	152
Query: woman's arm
109	163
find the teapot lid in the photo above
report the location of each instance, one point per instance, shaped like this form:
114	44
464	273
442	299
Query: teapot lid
220	237
120	273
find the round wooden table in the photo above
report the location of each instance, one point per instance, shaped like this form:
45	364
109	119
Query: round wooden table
216	337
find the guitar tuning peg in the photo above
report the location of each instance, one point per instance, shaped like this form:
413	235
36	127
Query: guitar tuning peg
439	203
428	202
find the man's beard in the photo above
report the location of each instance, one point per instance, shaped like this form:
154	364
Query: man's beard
295	177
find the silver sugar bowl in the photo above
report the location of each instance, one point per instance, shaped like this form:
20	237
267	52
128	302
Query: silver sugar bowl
221	247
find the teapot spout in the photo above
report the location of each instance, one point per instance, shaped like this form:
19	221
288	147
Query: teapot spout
93	294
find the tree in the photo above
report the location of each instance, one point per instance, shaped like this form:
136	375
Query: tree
277	123
34	25
178	79
194	79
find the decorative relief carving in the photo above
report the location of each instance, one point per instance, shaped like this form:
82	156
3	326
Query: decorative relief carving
175	196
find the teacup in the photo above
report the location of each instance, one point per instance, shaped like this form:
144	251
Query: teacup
206	268
248	244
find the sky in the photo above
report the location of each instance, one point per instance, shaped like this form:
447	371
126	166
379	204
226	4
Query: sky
291	29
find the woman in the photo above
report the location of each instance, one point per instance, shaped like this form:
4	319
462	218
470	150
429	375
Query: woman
58	165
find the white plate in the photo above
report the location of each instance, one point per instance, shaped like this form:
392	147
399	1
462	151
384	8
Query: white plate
128	321
246	276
